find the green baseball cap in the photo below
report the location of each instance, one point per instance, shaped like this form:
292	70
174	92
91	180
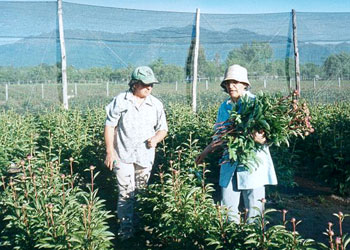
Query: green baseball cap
144	74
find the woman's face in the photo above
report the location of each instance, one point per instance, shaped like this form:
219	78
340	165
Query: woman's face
235	89
142	90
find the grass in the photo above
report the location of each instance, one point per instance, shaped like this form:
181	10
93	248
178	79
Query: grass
35	97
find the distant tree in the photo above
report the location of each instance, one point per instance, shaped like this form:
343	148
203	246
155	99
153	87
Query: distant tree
167	72
122	74
337	65
309	70
256	57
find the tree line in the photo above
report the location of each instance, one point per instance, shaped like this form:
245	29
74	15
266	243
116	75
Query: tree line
257	57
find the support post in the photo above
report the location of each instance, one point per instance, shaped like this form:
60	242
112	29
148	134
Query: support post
63	56
206	85
314	82
339	82
107	88
296	53
75	89
6	92
42	91
176	86
195	65
265	83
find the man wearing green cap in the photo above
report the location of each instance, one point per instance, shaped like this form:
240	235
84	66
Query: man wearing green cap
135	124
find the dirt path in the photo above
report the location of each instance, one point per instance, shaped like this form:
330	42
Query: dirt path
314	205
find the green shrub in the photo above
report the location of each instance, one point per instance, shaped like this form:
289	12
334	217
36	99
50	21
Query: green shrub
43	208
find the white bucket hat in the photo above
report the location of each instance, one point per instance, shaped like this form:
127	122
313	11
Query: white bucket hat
235	72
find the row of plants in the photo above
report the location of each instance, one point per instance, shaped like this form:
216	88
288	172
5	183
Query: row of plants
328	150
179	190
48	199
179	212
43	208
79	134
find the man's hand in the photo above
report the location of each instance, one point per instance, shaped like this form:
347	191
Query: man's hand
259	136
152	142
110	159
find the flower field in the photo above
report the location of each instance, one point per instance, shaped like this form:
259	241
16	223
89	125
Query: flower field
57	194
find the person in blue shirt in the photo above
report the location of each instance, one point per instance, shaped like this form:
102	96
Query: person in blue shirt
235	179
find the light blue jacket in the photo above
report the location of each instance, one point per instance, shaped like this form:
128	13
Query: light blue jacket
264	171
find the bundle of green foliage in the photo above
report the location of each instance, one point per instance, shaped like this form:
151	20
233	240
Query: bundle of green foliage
279	118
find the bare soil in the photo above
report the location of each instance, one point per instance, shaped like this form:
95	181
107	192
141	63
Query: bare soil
314	205
308	202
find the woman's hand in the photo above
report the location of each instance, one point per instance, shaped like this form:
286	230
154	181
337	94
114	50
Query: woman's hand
210	148
200	158
259	136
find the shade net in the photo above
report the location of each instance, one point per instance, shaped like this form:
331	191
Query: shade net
104	45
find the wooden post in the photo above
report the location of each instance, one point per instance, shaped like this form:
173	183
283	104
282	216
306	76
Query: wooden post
75	89
63	56
42	91
6	92
296	53
195	65
314	82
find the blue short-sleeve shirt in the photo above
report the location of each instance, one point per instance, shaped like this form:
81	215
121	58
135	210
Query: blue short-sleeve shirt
264	171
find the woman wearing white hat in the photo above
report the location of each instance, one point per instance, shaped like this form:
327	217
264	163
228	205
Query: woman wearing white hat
234	178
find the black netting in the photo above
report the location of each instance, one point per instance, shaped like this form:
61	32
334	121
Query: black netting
103	45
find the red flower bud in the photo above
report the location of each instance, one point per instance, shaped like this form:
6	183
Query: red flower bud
338	240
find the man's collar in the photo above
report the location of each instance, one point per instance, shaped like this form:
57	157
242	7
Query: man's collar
130	97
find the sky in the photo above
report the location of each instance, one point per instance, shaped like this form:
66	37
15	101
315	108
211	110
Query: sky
223	6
